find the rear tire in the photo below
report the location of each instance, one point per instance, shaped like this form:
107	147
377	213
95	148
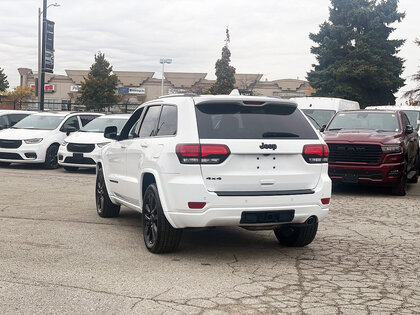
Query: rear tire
4	164
51	160
415	178
104	205
296	236
70	168
159	235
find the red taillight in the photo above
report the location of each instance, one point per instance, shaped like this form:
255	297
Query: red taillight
196	205
325	201
316	153
202	154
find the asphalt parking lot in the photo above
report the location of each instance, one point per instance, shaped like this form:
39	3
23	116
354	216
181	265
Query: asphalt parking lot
58	256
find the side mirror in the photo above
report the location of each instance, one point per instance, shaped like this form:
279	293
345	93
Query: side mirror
111	133
409	130
69	130
323	128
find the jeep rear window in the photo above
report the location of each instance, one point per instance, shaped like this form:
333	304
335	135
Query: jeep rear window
236	121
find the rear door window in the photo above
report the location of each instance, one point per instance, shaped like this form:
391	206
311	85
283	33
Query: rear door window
150	120
236	121
168	121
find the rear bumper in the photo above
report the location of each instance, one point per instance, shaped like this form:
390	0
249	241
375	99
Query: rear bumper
227	210
384	173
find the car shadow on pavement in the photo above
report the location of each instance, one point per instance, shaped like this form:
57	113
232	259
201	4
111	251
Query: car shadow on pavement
365	190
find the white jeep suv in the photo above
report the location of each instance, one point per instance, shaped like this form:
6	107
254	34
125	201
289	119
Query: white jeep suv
36	138
205	161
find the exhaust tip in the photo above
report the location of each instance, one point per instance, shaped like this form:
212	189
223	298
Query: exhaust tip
311	220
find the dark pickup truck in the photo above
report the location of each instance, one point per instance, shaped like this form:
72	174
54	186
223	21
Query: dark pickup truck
373	146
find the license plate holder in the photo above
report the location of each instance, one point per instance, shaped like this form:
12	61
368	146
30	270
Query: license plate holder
78	156
274	216
351	178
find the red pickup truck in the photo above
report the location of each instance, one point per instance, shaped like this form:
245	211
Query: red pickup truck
373	146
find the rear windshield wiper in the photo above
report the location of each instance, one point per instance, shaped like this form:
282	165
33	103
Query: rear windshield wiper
271	134
313	119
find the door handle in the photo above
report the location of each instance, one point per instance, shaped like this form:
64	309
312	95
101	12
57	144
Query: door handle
144	144
123	146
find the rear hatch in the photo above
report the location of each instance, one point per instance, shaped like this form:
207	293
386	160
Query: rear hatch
263	143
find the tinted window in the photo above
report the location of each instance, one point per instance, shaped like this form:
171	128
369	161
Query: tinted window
413	117
235	121
365	121
168	121
131	127
404	120
149	122
14	118
42	122
85	119
319	117
4	121
71	122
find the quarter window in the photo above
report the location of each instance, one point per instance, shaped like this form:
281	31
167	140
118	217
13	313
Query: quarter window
71	122
168	121
85	119
148	126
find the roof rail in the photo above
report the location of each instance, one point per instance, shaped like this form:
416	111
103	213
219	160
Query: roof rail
179	95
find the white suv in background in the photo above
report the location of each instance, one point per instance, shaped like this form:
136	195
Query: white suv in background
205	161
82	149
9	118
36	138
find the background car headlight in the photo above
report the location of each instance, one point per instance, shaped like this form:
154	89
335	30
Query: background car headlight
33	141
100	145
392	149
64	143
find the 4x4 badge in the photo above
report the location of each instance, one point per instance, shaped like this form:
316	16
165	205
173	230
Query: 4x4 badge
268	146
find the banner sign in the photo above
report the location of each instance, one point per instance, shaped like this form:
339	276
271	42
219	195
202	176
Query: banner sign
131	90
48	88
49	46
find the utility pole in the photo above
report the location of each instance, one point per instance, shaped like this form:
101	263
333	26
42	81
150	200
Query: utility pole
42	83
39	57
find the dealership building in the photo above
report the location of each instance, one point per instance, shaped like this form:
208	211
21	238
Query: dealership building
61	91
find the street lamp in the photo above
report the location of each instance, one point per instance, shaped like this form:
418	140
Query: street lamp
40	14
163	61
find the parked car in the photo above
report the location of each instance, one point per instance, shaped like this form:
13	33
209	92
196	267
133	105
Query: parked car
319	110
81	149
9	118
205	161
373	146
36	138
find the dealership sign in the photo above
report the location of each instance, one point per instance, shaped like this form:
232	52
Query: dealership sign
49	46
48	88
131	90
75	88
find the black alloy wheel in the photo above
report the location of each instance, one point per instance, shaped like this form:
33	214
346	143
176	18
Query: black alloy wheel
51	160
104	206
150	221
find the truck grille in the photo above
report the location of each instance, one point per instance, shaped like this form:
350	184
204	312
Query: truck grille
10	144
359	153
80	147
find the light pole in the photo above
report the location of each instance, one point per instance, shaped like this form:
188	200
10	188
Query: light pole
163	61
40	70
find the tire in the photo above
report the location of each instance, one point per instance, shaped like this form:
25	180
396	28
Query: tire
70	168
104	206
158	234
296	236
400	189
51	160
415	178
4	164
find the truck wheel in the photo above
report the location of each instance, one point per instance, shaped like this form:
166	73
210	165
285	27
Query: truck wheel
296	236
104	205
415	178
70	168
51	161
159	235
400	189
4	164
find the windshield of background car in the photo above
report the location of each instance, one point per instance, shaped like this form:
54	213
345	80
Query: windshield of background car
319	117
365	121
413	117
99	124
236	121
41	122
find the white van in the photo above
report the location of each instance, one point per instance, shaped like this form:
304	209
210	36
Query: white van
319	110
412	112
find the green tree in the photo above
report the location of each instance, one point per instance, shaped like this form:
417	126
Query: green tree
225	73
356	59
415	93
4	84
98	89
